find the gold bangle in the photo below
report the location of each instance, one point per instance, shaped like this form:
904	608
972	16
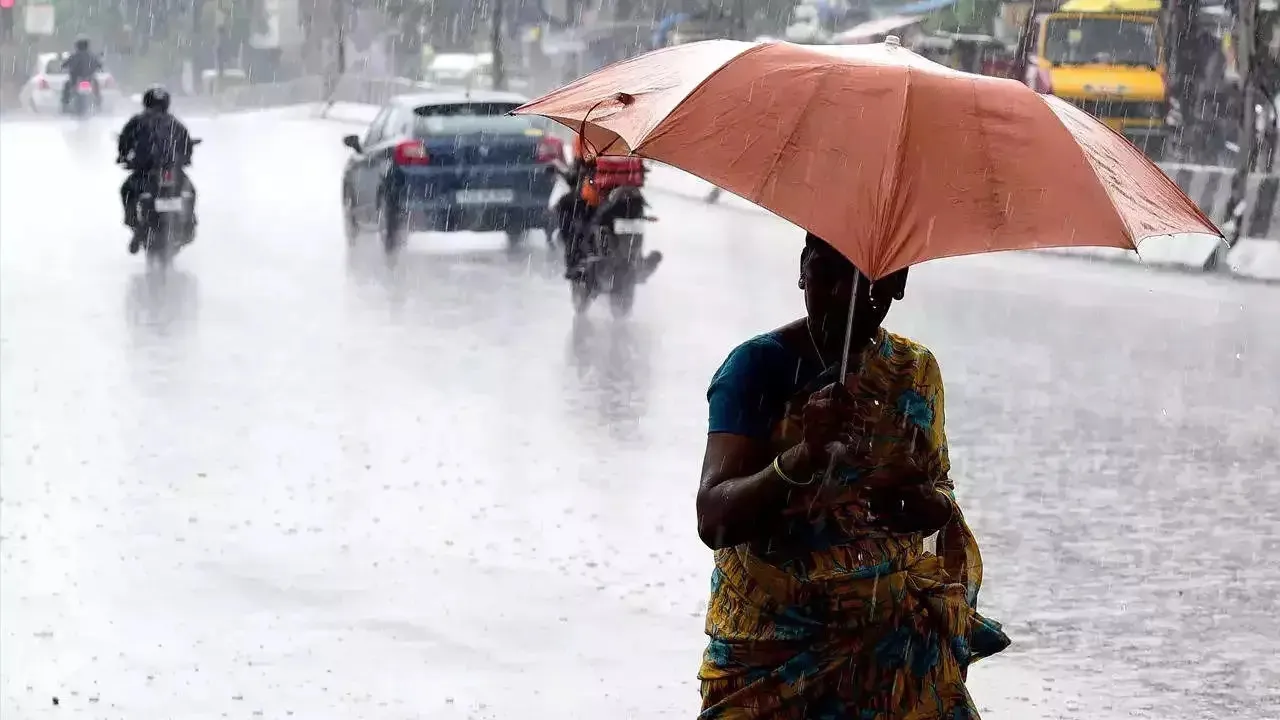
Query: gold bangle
778	469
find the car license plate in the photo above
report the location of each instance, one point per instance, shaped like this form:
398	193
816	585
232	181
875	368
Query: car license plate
169	205
485	197
626	226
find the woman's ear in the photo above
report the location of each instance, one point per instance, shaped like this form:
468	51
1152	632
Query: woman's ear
899	280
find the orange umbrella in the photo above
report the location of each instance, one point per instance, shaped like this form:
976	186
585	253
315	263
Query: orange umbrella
890	157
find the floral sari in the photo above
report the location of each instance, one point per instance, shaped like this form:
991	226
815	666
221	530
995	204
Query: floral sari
836	618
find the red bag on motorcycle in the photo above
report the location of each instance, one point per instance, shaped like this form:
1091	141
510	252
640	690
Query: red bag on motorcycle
614	172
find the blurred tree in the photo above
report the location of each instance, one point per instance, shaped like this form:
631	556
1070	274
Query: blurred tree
238	20
756	15
95	18
409	18
7	20
967	16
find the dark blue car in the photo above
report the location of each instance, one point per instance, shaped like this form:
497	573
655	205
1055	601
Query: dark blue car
450	161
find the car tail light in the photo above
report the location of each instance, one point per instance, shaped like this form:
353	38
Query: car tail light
166	178
412	152
550	150
86	85
42	83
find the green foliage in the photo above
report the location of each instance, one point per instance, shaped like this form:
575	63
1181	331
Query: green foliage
95	18
967	16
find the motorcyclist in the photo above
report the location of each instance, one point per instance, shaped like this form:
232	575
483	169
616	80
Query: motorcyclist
81	65
575	207
151	140
1267	73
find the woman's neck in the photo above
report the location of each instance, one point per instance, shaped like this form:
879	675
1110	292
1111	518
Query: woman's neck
829	344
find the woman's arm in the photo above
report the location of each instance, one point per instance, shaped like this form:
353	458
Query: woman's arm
737	501
741	496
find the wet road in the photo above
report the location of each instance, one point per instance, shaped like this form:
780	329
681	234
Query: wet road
286	479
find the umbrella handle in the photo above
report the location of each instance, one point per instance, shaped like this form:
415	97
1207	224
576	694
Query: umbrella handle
582	129
624	98
844	357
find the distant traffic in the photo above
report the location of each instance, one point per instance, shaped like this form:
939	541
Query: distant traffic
457	160
449	161
43	91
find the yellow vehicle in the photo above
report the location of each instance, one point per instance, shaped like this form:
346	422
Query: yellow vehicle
1107	63
1111	6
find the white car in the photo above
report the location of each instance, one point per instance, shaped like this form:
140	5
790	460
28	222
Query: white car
472	71
459	69
43	92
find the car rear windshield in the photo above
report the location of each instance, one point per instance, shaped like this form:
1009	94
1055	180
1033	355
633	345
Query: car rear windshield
475	117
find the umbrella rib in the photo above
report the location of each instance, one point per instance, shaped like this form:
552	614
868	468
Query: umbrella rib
992	193
899	157
795	128
645	137
1106	187
1137	237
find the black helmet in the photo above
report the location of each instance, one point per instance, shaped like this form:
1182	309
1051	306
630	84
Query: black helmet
82	44
156	98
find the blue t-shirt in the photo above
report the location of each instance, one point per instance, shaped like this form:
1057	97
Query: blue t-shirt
749	393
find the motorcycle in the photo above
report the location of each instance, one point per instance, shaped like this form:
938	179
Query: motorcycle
166	213
612	237
613	259
83	101
1266	118
1268	130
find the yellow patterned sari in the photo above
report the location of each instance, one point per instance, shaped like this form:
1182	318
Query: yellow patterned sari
837	619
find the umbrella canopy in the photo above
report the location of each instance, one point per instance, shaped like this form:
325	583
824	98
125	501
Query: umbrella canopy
890	157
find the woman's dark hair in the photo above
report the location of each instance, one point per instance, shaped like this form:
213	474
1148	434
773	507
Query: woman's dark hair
828	255
834	262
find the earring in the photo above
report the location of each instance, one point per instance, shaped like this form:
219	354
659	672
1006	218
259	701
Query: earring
800	283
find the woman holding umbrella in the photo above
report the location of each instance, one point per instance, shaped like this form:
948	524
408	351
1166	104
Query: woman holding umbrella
820	587
826	461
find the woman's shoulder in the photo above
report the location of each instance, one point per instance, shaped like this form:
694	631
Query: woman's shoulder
907	354
893	343
749	392
762	352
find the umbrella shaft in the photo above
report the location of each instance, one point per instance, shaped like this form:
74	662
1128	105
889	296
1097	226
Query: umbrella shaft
844	358
848	327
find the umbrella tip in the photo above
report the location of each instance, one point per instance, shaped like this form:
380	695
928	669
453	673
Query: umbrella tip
892	41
